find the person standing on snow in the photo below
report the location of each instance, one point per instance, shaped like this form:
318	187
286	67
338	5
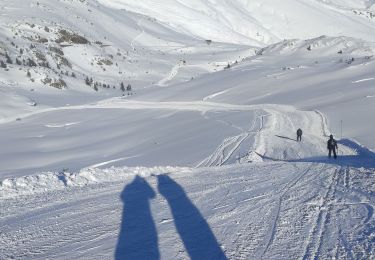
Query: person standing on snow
332	147
299	135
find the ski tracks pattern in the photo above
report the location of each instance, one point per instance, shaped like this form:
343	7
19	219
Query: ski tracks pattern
329	237
328	204
314	242
225	152
284	192
269	211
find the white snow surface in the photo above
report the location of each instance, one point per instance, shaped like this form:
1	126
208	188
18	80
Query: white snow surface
261	211
199	160
270	192
258	22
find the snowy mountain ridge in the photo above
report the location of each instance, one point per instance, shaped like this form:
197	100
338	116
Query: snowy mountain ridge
260	22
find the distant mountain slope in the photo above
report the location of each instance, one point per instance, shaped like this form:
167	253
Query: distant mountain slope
65	44
260	22
86	46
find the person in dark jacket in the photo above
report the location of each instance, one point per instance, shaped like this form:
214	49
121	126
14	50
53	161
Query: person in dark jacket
332	147
299	135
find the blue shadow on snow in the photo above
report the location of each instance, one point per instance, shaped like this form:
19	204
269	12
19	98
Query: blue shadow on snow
193	229
286	137
138	237
364	157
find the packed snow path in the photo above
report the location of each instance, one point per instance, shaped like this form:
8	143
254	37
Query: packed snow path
139	133
295	204
274	210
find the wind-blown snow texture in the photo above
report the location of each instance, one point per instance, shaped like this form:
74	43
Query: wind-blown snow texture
198	158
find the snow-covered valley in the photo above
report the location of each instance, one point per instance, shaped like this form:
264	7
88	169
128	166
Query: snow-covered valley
167	130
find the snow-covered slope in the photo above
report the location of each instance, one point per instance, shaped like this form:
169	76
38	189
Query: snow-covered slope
65	49
333	75
236	211
199	140
259	22
260	211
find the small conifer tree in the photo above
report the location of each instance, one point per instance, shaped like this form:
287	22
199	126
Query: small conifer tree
8	59
87	81
3	64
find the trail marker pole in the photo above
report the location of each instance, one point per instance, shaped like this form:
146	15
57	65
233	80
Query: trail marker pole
341	128
341	137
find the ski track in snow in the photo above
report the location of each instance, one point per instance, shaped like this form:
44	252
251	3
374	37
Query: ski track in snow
120	103
172	74
61	125
139	35
80	213
85	219
314	244
109	162
285	190
215	95
290	202
363	80
230	145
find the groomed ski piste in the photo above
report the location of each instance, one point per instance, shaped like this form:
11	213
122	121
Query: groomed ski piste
290	202
200	159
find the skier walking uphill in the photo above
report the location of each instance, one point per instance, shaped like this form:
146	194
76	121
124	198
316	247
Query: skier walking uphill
299	134
332	147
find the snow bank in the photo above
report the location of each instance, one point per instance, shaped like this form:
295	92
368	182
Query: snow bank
43	182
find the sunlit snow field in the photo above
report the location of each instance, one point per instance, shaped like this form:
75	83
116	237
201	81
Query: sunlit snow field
199	159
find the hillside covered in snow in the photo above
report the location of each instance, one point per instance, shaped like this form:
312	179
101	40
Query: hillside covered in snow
167	129
260	22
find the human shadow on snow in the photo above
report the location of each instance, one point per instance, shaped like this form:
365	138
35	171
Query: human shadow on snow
193	229
285	137
138	237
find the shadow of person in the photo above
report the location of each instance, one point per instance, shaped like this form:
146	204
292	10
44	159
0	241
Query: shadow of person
363	158
138	237
285	137
193	229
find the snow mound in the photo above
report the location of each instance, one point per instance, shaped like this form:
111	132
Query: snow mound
51	181
253	157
